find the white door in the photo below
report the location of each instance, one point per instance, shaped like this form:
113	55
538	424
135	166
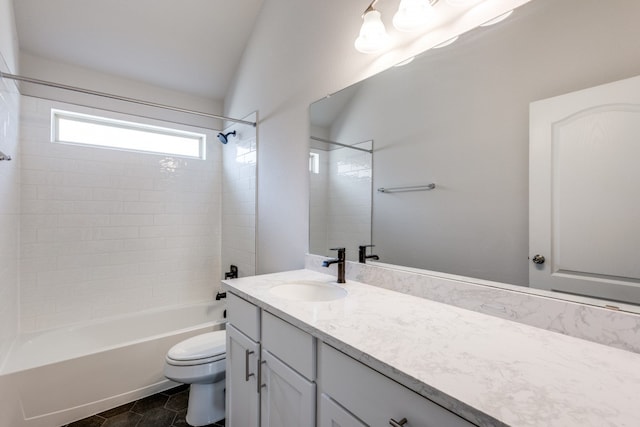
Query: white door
584	192
242	396
288	399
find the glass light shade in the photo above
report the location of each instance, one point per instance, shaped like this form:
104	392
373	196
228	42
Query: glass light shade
373	36
412	14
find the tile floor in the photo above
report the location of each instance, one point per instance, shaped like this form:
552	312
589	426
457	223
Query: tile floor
165	409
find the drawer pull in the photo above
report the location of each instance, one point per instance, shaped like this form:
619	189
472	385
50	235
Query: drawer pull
395	423
260	385
247	353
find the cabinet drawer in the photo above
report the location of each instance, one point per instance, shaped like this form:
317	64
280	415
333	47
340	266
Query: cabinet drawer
244	316
374	398
292	345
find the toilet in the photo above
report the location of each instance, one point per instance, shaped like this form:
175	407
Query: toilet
200	362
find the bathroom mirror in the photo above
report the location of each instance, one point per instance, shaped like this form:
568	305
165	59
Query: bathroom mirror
458	117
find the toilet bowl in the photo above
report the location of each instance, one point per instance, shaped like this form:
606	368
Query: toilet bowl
200	362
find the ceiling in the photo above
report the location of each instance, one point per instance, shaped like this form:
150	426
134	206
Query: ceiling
192	46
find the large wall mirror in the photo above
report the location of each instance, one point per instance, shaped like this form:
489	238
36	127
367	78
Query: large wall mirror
459	117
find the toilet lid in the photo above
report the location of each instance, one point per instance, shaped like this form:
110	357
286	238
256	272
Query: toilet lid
199	347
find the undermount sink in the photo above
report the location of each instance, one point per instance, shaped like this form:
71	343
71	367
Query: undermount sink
308	290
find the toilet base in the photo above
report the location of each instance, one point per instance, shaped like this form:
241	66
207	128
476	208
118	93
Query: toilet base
206	403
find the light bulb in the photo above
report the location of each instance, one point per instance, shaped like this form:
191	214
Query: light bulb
412	14
373	36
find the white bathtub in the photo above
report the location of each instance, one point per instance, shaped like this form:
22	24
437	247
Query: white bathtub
66	374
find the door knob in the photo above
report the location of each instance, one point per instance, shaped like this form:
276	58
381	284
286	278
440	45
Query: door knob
538	259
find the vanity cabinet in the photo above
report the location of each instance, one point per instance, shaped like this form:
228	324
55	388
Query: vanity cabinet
354	395
280	382
330	414
288	374
242	361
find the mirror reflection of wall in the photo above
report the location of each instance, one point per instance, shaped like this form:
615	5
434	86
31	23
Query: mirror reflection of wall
459	117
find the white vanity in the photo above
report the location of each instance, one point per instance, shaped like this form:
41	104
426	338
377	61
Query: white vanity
377	357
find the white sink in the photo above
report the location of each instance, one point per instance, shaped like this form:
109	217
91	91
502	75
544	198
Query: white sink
307	290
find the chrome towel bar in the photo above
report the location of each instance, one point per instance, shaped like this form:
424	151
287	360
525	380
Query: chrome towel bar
426	187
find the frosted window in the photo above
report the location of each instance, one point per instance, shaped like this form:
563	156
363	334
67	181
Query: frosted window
82	129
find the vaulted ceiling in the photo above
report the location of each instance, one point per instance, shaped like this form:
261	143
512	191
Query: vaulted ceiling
193	46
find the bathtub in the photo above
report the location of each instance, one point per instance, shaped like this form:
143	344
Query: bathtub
62	375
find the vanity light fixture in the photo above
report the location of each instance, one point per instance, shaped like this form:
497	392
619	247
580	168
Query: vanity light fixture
373	35
413	14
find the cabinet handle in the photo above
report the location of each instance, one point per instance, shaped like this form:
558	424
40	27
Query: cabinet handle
247	353
395	423
260	376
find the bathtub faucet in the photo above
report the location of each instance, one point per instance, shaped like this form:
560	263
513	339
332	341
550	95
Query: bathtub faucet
340	261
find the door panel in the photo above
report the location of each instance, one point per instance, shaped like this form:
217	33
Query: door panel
334	415
584	187
242	397
288	399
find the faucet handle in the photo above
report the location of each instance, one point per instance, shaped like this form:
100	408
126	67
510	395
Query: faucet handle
341	253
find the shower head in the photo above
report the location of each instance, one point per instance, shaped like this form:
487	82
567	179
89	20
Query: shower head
224	137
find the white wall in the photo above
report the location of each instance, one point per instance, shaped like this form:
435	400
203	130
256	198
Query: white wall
108	232
299	52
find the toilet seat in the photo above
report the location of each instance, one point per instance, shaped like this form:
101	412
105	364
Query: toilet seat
198	350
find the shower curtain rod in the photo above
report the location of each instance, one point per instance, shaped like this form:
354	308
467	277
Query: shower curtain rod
120	98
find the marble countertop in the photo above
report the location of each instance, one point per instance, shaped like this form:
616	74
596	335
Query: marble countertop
491	371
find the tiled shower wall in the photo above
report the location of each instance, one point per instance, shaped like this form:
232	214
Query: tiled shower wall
239	199
318	204
9	212
108	232
341	197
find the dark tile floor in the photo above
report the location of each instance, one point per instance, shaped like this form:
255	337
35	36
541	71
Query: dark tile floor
165	409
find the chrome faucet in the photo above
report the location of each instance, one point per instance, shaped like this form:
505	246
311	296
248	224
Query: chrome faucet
340	261
362	254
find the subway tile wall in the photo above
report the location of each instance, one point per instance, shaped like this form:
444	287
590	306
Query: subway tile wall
318	204
239	199
9	212
349	200
107	232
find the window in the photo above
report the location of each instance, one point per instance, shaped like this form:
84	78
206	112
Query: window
83	129
314	162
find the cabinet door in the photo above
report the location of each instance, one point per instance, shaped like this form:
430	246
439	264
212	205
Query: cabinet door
241	381
334	415
288	399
